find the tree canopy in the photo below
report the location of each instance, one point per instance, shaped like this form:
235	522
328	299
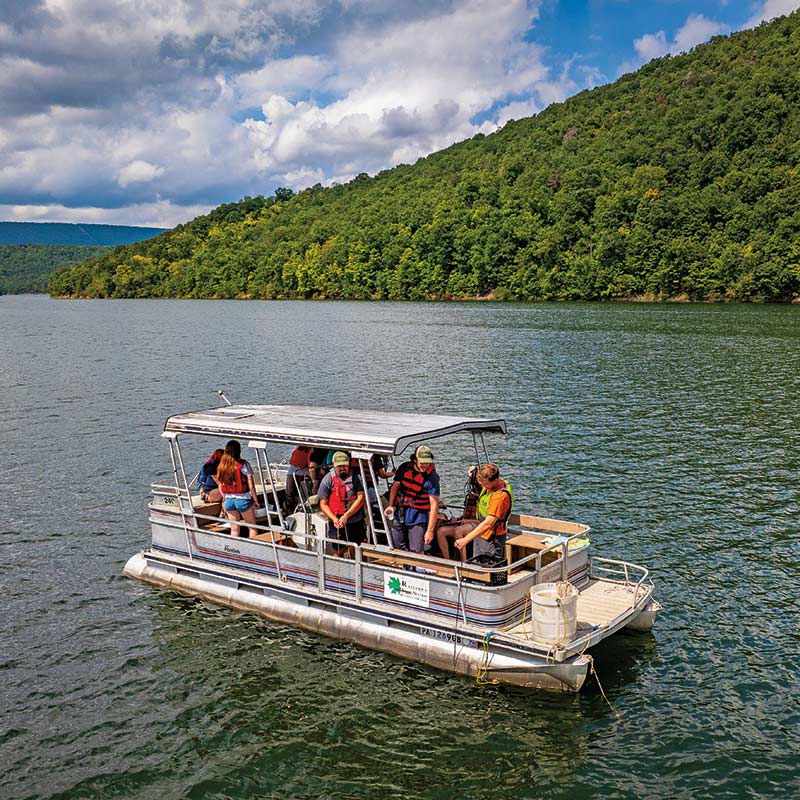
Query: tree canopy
27	267
677	181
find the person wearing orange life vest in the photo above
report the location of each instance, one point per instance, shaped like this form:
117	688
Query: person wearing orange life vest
416	488
297	478
341	500
488	532
235	480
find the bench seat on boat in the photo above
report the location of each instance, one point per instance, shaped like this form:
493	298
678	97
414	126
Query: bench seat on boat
519	545
398	560
204	507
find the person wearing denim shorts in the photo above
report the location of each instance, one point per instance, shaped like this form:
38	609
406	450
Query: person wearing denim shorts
235	479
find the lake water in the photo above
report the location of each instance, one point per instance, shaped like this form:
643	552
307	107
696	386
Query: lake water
674	431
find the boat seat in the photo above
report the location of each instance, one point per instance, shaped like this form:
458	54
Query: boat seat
395	559
519	545
204	507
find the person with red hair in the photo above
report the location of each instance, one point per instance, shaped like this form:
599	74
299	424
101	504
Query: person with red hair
235	479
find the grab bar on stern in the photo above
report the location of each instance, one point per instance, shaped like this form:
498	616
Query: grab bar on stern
626	568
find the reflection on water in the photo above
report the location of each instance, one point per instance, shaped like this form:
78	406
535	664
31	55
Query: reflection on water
673	431
334	704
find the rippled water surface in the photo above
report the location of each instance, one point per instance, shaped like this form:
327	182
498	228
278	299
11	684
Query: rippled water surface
674	431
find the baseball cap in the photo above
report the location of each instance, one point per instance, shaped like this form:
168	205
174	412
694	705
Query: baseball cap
424	454
340	458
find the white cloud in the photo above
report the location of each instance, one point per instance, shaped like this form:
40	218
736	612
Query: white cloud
651	45
517	110
160	214
112	104
770	9
406	90
138	172
303	177
696	30
283	76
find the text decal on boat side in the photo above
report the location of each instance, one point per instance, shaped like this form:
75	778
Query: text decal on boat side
399	586
443	636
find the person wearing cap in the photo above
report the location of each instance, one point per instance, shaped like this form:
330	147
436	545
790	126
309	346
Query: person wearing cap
414	502
341	500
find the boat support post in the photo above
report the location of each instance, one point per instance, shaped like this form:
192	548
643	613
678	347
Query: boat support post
483	445
176	459
258	447
362	457
261	447
459	584
359	575
475	445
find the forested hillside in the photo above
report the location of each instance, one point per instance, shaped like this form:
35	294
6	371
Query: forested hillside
678	181
31	251
27	267
83	234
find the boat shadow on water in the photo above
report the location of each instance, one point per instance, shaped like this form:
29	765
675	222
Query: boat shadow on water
250	689
194	633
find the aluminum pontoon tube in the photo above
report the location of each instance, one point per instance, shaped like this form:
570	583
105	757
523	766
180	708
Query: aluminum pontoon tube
565	676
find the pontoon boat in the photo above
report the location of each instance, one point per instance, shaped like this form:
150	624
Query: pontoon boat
530	621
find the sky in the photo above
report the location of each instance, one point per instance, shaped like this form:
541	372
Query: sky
151	112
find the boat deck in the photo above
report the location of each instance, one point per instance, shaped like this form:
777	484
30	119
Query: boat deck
599	604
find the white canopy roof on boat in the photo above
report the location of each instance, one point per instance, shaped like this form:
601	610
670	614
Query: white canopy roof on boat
344	428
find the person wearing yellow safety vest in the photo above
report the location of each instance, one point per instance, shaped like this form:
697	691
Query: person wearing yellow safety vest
488	532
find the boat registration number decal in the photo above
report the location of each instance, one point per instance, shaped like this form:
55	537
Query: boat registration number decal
398	586
443	636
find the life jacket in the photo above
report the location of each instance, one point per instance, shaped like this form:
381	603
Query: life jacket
299	457
205	478
499	527
239	484
342	494
472	491
411	483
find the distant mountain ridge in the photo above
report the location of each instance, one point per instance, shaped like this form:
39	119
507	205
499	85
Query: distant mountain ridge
83	234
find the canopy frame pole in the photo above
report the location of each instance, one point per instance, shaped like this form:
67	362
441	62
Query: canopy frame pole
176	459
367	506
475	445
266	504
258	447
483	444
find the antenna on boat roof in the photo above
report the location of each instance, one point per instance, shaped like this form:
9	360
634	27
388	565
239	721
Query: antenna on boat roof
222	395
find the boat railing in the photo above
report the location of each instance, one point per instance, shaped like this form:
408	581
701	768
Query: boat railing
274	536
531	561
561	547
622	572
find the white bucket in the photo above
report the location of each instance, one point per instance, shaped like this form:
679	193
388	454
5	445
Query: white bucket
554	612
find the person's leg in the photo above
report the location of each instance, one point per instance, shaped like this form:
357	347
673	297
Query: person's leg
234	516
291	494
249	516
416	538
399	535
355	533
453	530
492	549
333	533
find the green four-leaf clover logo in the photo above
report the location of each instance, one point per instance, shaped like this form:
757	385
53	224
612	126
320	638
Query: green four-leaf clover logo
394	585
